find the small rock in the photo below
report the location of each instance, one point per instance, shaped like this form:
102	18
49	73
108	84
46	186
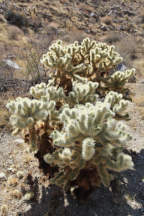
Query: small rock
121	67
115	8
13	170
2	19
87	31
20	174
12	64
103	28
2	176
19	141
125	180
142	81
12	181
92	14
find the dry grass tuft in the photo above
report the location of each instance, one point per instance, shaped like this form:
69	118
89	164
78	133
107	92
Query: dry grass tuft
139	65
12	181
4	119
107	20
14	33
16	194
4	210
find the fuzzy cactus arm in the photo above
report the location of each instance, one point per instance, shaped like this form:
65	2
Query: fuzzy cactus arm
25	112
38	91
104	58
52	159
115	132
47	92
83	92
88	148
116	103
122	163
118	79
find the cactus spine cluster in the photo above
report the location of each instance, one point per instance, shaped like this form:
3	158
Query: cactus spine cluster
74	121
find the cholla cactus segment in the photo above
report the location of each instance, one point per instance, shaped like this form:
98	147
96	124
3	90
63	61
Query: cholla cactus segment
86	121
122	163
60	56
26	112
115	131
113	98
88	148
83	92
39	90
51	158
116	102
47	92
119	79
66	154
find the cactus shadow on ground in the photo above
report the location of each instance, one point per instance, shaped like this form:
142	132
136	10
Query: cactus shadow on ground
126	201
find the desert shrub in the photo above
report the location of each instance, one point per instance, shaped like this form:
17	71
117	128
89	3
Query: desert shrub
17	19
32	69
6	72
32	64
14	33
73	123
4	122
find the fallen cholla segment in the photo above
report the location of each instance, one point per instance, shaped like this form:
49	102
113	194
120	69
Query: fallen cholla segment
73	123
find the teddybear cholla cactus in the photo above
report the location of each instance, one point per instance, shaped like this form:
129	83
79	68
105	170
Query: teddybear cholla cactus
74	128
90	59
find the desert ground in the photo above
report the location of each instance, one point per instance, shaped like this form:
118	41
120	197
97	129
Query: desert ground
27	29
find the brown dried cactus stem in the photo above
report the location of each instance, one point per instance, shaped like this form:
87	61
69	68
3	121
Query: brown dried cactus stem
45	146
64	81
85	183
39	136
